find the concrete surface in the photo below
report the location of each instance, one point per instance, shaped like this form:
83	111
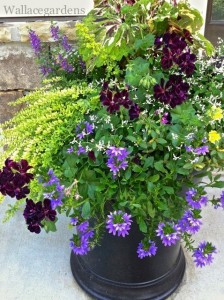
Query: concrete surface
36	267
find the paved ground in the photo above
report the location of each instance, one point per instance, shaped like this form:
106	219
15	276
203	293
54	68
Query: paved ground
36	267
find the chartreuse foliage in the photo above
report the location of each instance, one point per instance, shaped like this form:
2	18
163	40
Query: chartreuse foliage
45	125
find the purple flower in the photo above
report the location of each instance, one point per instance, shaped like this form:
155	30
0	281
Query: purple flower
186	63
84	129
74	221
188	223
189	148
117	159
220	203
169	234
65	43
56	202
83	227
166	118
81	150
194	201
203	150
147	249
45	70
70	150
35	42
81	247
118	223
134	111
54	32
203	255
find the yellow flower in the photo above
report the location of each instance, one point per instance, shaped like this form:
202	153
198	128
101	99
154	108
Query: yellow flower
214	136
215	113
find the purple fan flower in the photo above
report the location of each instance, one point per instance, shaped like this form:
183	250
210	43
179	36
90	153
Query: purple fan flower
35	42
70	150
81	247
188	223
81	150
220	203
189	148
203	255
117	159
83	227
118	223
56	202
203	150
194	201
74	221
54	32
147	250
169	234
84	129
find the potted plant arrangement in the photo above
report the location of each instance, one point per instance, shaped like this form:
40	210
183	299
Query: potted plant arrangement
120	143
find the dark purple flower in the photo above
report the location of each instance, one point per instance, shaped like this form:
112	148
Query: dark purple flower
188	36
35	42
186	63
54	32
118	223
91	155
146	249
167	59
134	111
203	255
169	234
194	201
166	118
14	178
188	223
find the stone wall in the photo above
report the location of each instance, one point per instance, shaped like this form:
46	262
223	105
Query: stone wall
19	73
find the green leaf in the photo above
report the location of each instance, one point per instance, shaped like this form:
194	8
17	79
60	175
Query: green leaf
142	226
86	210
148	162
169	190
131	138
151	210
218	184
159	166
154	178
145	43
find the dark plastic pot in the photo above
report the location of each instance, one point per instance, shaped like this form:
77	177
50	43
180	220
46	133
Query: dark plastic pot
113	271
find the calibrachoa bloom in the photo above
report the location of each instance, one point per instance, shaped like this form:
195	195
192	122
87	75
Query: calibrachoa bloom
147	249
118	223
117	159
203	150
169	234
214	136
35	213
188	223
14	178
203	255
194	201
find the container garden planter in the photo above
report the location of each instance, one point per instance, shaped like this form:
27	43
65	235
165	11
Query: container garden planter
134	116
112	271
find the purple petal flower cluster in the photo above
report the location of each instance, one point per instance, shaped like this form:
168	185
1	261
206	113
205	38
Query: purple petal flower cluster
169	234
35	213
65	44
14	178
220	203
117	159
80	242
203	150
114	99
57	195
118	223
45	70
84	129
188	223
194	201
70	150
175	51
81	150
65	64
35	42
166	118
203	255
54	32
174	92
148	249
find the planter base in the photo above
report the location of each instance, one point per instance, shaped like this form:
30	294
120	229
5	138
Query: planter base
101	288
